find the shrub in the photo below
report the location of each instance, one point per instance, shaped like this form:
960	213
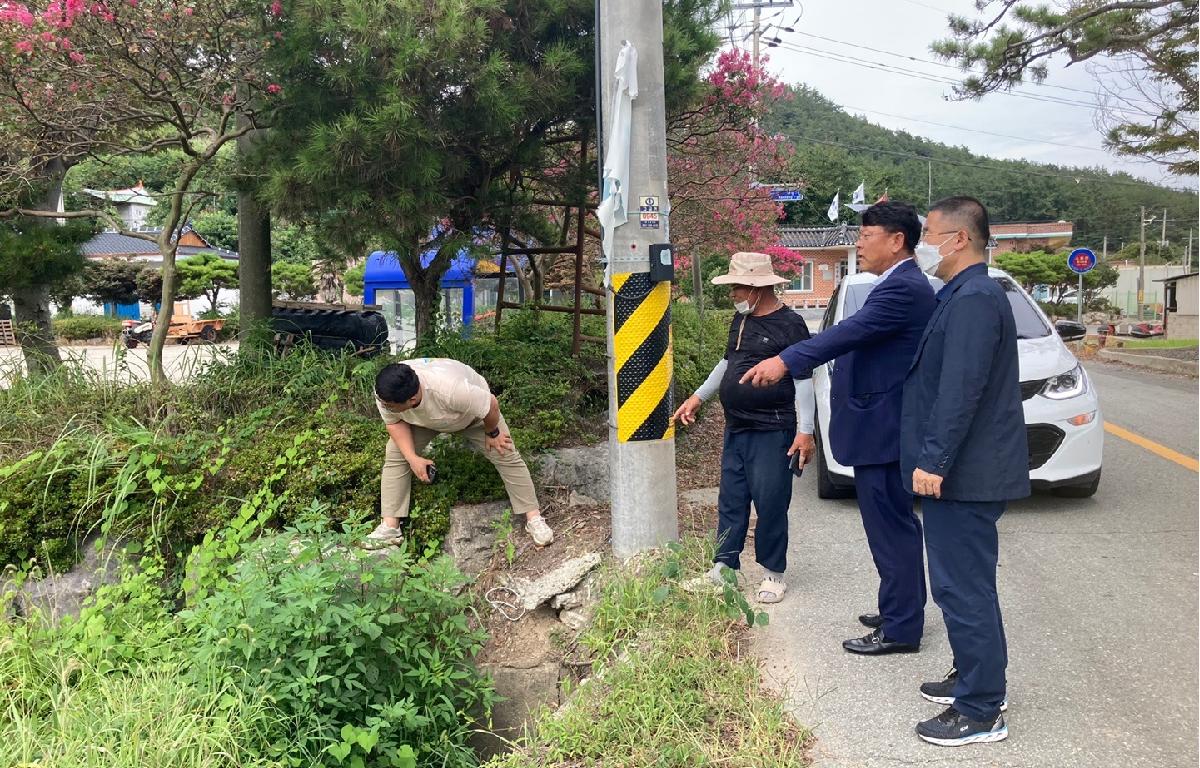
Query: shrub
85	327
699	345
364	654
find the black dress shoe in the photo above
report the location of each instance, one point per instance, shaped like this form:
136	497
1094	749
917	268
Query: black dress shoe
875	644
871	620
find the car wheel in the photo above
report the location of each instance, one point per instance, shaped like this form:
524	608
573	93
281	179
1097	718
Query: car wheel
208	333
131	343
826	488
1085	491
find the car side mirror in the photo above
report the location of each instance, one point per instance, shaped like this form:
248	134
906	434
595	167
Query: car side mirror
1070	330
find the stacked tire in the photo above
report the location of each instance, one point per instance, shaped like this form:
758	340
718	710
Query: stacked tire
362	332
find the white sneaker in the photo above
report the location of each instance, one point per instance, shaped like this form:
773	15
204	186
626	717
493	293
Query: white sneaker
712	579
539	531
383	536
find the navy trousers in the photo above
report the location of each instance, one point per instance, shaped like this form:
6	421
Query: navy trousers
963	548
894	536
754	468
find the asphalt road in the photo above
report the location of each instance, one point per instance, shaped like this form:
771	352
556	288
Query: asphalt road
1100	607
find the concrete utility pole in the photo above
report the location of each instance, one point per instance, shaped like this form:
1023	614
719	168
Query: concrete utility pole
757	32
1187	255
1162	241
1141	293
641	436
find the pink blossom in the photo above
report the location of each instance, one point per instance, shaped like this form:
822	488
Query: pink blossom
77	57
274	88
188	11
24	46
276	8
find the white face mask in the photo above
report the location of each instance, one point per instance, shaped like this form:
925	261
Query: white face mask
929	257
744	307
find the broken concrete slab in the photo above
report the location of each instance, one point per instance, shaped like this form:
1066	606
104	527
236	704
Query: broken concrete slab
471	539
563	578
583	470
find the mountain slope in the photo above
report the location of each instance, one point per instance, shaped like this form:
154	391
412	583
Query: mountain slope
836	151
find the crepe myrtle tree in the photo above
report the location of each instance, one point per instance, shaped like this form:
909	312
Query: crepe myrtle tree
82	78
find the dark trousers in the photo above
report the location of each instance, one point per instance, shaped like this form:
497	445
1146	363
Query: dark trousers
754	468
894	536
963	548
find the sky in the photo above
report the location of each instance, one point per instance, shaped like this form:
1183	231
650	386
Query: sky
1034	129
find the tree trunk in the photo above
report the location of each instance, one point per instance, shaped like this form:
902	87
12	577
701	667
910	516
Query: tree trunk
425	298
31	323
254	252
31	306
167	247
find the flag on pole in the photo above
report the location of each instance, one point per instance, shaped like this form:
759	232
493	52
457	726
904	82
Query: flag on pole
860	194
833	207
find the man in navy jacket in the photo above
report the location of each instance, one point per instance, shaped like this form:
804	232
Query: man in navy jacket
964	448
874	349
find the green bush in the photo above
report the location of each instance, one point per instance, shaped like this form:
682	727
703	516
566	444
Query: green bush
85	327
369	655
699	345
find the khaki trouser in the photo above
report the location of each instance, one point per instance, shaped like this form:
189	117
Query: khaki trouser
395	485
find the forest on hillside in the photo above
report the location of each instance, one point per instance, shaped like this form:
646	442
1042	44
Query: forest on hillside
836	151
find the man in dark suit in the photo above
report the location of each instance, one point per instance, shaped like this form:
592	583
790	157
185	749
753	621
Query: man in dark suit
874	349
964	449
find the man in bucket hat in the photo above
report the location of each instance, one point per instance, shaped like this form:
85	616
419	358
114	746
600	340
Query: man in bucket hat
764	427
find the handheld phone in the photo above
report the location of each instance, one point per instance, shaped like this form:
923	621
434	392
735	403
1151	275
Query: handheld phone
432	472
794	464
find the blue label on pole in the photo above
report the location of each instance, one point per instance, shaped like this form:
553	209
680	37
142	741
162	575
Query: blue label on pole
1081	261
787	195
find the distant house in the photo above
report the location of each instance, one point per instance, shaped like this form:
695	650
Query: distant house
133	205
114	246
1023	237
1182	304
829	255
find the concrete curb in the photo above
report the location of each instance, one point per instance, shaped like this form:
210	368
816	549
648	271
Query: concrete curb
1152	362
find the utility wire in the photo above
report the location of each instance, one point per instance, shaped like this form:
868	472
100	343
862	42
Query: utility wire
972	130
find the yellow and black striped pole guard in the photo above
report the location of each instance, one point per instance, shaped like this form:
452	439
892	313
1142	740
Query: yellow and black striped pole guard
642	359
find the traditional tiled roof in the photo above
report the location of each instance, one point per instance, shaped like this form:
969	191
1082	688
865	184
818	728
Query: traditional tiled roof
818	237
135	195
115	244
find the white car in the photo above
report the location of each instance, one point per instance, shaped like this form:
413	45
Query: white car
1062	412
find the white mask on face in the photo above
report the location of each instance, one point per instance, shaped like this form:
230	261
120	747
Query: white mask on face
745	307
930	256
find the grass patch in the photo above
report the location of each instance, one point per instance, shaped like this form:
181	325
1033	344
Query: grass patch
1159	343
674	684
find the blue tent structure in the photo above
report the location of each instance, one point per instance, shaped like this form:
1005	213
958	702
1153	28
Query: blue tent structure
463	297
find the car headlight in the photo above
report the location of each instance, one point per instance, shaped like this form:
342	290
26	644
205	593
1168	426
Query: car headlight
1073	383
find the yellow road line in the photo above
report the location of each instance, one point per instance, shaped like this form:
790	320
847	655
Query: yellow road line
1153	447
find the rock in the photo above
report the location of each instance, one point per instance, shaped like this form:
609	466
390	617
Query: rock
583	470
576	499
562	579
522	692
566	600
471	539
574	618
63	594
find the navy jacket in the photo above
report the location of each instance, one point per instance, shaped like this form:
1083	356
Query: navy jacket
963	418
873	348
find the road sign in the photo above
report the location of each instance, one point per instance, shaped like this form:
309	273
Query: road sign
1081	261
787	195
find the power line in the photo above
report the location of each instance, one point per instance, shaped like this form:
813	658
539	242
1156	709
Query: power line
943	161
881	67
973	130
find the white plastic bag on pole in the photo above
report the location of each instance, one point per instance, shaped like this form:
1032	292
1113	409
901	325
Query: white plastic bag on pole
615	192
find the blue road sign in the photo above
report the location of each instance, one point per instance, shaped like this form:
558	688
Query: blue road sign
787	195
1081	261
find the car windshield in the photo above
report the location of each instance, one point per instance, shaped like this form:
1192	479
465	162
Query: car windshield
1030	324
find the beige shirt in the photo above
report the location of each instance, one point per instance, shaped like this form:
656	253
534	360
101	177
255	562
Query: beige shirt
454	396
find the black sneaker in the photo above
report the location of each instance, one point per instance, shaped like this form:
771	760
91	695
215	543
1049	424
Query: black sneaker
941	691
954	729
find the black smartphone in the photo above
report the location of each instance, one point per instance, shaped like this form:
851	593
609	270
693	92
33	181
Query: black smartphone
432	471
794	464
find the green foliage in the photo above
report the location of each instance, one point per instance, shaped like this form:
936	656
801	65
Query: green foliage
1051	270
354	278
836	150
206	274
364	655
111	282
293	281
218	228
33	253
699	344
149	285
84	327
669	688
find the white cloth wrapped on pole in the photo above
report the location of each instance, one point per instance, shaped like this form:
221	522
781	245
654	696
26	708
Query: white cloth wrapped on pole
615	184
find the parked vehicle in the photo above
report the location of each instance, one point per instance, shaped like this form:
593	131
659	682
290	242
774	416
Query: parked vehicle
1062	413
184	329
1146	330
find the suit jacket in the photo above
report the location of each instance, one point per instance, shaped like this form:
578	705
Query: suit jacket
873	348
963	418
